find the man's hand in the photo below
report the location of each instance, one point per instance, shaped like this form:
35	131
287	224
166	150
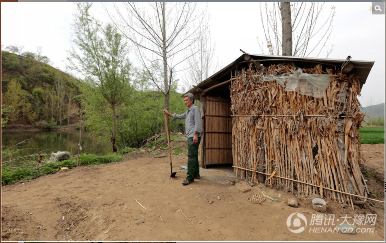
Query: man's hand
195	138
167	113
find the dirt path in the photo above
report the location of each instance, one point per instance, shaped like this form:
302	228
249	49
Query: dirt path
107	203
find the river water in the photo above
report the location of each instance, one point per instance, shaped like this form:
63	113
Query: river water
46	142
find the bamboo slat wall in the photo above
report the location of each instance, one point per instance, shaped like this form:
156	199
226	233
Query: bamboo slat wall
218	132
284	137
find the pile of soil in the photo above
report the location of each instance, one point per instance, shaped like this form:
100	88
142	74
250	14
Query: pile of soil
136	200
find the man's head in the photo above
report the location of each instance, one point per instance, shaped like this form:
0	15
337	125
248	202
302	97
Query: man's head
189	99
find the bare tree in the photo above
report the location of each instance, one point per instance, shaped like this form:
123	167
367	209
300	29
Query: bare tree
17	49
309	29
201	64
41	58
159	31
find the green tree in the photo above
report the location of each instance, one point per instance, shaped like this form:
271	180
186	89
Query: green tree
4	118
26	107
29	55
60	93
10	61
38	95
12	100
102	59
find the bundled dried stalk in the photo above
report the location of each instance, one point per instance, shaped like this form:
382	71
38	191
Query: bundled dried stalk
311	140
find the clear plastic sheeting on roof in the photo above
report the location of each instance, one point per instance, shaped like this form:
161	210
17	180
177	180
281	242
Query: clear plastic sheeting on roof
303	83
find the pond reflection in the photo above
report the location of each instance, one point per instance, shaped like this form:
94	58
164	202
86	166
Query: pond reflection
46	142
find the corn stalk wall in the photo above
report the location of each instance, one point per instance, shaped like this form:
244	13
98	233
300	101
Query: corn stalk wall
283	136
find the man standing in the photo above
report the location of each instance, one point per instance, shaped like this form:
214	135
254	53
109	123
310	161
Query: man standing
193	131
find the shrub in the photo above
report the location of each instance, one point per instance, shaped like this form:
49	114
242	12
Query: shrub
126	150
49	168
48	125
25	174
92	159
6	176
10	176
71	163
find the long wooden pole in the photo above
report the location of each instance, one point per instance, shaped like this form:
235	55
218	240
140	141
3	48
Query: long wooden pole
168	138
310	184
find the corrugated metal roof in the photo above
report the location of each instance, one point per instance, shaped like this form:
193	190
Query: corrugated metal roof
361	68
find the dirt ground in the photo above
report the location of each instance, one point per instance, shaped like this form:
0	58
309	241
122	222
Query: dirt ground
136	200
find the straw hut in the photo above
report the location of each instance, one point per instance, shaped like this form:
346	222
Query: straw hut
288	122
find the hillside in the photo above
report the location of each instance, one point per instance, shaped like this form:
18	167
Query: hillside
374	111
34	91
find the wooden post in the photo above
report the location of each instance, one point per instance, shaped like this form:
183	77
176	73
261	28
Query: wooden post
342	141
202	144
261	163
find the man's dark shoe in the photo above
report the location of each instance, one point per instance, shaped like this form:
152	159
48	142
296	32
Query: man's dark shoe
197	177
186	182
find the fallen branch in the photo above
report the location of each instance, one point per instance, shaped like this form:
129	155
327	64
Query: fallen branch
311	184
140	204
186	217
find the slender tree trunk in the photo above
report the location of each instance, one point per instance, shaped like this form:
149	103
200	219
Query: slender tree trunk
68	110
165	62
113	139
122	135
46	107
80	133
52	104
37	109
286	29
58	92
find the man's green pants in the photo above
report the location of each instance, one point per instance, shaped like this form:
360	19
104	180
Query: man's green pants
193	167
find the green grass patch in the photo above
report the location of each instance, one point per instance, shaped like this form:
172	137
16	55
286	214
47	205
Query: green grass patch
126	150
372	135
10	176
49	168
156	142
92	159
177	151
366	172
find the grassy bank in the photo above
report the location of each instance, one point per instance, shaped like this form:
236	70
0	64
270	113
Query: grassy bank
11	176
372	135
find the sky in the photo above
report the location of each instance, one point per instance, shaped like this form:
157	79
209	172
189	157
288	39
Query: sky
234	26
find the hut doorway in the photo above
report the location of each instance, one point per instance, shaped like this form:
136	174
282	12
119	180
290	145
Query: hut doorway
217	144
